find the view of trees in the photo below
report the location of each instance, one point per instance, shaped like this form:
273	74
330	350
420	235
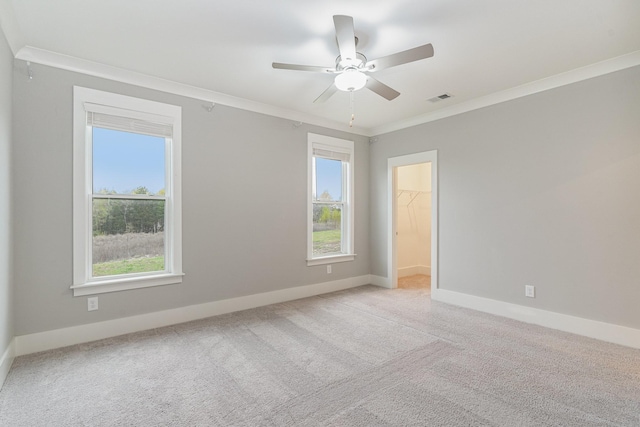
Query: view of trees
327	228
325	216
118	216
329	215
126	229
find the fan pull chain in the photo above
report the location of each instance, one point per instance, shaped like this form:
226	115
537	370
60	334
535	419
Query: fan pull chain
352	107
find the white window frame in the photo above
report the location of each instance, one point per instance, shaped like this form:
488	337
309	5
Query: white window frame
342	147
89	100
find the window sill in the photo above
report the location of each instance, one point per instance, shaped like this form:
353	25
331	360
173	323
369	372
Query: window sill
124	284
330	259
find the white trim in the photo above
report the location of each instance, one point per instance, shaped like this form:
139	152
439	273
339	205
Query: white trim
126	283
6	361
573	76
41	341
413	270
96	69
91	100
347	147
330	259
392	259
162	115
70	63
383	282
576	325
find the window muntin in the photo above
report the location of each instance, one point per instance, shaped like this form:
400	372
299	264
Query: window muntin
330	200
127	198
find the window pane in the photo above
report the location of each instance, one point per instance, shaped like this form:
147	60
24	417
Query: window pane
327	229
127	163
328	179
128	236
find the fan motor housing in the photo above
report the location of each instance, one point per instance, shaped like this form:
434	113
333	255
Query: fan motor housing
359	62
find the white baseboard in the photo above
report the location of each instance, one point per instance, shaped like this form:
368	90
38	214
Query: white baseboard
383	282
589	328
41	341
413	270
32	343
5	361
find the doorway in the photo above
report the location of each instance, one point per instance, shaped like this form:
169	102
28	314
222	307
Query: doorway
412	258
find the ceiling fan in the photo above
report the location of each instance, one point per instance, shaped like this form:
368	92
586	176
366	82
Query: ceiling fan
352	67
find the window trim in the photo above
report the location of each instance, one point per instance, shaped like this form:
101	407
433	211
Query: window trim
341	146
85	99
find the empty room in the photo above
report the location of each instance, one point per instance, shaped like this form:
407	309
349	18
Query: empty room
340	213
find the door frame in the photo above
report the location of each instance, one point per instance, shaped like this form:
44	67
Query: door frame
392	212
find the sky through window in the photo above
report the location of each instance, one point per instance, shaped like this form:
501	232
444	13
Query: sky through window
124	161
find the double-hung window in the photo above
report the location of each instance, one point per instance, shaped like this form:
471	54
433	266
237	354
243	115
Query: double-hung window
126	193
330	200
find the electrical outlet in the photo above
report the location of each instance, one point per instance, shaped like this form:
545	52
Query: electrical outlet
92	304
328	269
529	291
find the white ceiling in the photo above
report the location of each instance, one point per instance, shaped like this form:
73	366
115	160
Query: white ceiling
227	47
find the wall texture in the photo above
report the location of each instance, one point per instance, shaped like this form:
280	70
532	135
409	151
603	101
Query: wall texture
542	190
6	285
244	205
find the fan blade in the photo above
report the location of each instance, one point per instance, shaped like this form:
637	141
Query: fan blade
296	67
381	89
326	94
411	55
346	36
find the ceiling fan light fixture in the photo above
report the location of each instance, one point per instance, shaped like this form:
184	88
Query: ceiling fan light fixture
350	80
351	66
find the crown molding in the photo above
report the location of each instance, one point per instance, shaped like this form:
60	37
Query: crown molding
70	63
78	65
593	70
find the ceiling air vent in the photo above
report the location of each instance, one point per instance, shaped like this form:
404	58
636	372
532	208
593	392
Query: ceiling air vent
440	97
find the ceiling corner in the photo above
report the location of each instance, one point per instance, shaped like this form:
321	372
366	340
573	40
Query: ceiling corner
10	28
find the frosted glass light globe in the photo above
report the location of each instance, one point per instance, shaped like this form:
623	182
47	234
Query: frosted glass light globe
350	79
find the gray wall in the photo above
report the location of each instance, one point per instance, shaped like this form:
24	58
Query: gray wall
241	170
542	190
6	287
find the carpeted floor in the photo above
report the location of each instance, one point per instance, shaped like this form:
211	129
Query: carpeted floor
362	357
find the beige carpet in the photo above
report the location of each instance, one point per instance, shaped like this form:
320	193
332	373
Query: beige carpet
415	282
363	357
